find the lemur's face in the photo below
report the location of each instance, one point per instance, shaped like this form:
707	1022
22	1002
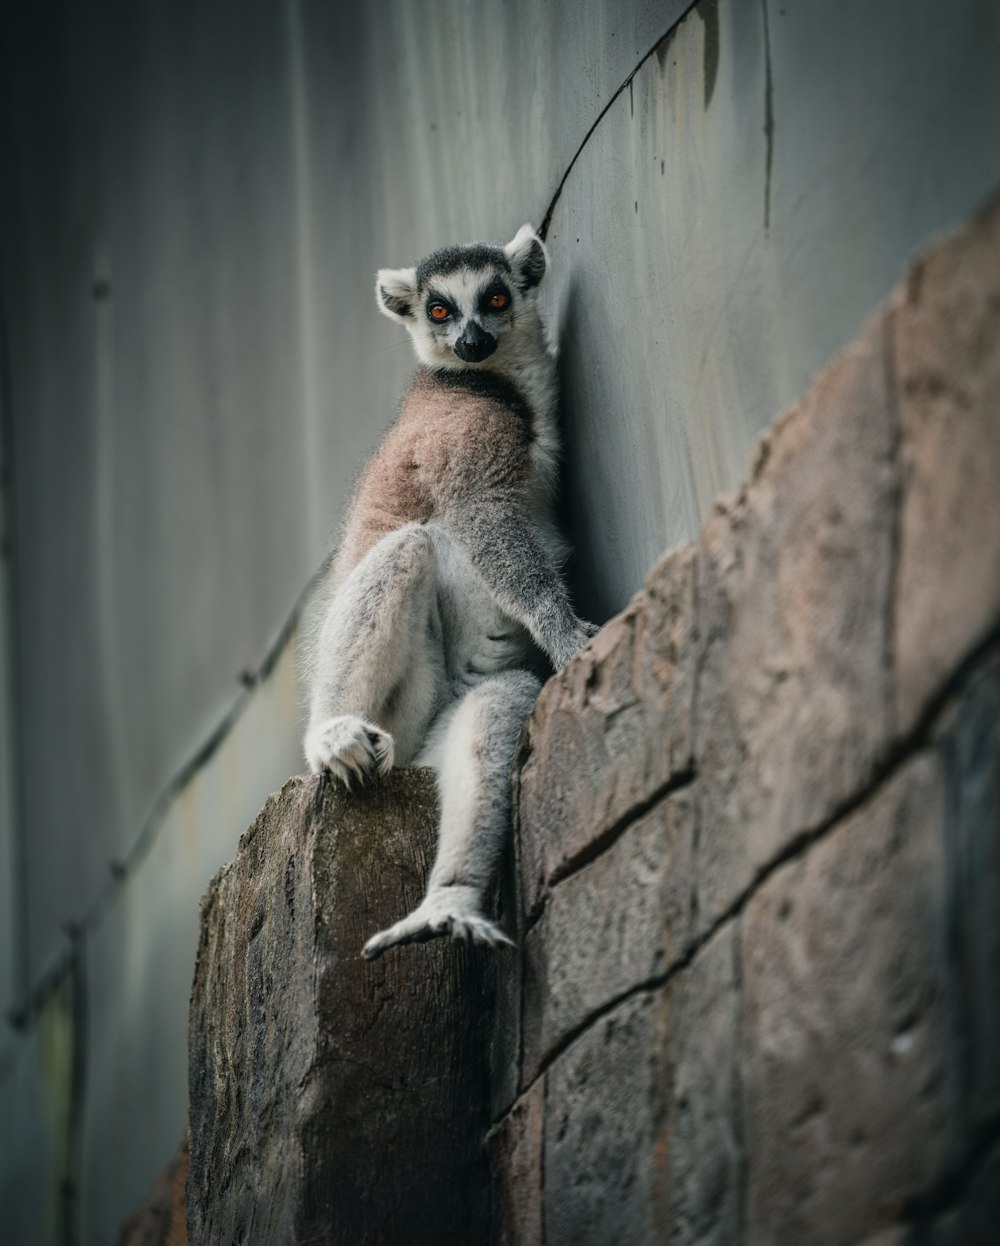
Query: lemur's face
461	305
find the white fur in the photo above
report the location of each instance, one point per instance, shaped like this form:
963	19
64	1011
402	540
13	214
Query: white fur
520	246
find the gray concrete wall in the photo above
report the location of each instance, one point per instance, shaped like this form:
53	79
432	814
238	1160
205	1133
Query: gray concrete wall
196	199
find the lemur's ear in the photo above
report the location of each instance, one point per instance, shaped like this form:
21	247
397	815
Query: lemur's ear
396	292
528	257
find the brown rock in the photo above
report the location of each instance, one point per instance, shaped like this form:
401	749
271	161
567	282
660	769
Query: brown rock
794	694
611	731
947	356
642	1116
335	1099
604	1135
617	923
849	1077
515	1154
701	1182
896	1236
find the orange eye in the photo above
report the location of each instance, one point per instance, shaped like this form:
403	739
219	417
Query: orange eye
438	311
498	301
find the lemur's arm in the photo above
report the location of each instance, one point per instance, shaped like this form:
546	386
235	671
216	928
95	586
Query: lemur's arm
506	551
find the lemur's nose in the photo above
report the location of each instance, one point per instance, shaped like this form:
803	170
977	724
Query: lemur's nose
475	344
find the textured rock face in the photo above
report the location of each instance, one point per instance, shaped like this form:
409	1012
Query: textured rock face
946	338
759	834
845	974
613	731
335	1099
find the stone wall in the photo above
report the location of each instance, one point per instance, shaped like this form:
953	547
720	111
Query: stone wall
759	842
758	855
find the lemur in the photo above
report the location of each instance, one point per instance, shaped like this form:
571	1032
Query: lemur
445	598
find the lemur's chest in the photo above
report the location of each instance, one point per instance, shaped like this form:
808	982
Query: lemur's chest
453	446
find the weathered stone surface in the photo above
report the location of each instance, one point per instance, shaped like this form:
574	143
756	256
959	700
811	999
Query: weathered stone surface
850	1094
895	1236
335	1099
970	744
604	1130
611	730
794	590
947	358
515	1154
619	922
701	1186
162	1221
642	1116
505	1034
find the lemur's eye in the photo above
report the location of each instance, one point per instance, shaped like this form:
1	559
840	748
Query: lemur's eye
498	301
438	311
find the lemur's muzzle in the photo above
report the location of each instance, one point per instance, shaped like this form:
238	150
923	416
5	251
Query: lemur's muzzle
475	344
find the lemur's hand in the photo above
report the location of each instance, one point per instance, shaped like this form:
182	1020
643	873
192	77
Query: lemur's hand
567	647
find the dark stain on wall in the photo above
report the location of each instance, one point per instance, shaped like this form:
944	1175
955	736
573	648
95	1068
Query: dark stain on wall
662	49
709	14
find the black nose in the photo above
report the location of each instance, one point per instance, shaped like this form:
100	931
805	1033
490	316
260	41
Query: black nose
475	344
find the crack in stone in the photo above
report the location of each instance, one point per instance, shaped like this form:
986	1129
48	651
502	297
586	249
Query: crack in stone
601	843
896	534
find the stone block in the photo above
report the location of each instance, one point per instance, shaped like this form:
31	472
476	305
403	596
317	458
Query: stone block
617	923
610	731
947	359
335	1099
514	1149
604	1130
794	592
849	1079
642	1116
894	1236
702	1180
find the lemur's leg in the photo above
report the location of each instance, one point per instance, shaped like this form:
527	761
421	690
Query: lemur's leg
379	666
472	748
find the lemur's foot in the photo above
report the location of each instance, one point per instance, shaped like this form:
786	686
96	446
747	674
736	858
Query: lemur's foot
450	911
349	748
